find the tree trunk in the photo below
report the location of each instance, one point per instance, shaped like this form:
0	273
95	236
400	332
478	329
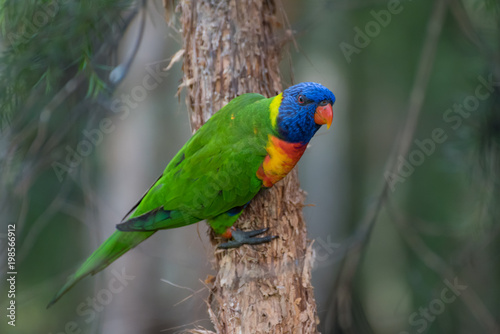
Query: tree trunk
230	49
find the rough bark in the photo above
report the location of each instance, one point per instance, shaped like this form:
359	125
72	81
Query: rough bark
231	49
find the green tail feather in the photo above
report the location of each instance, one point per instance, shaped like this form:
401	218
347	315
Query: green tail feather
116	245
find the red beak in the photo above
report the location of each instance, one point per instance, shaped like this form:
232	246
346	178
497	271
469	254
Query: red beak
324	115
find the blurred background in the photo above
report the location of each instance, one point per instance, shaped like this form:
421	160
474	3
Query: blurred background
81	141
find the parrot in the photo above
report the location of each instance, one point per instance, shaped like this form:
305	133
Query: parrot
247	146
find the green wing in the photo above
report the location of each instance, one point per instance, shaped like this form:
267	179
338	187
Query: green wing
214	172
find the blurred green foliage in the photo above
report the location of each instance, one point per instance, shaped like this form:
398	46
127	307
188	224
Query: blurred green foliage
36	31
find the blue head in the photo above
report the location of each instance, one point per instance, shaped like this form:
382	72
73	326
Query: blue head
304	108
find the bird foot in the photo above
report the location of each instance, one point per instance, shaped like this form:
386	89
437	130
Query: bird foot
246	237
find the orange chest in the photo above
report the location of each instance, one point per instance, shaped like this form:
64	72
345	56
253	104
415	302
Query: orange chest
280	160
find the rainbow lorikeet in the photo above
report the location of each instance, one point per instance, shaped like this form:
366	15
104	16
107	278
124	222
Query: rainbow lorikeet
248	145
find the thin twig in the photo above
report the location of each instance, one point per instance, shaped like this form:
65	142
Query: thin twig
183	326
191	295
177	286
440	267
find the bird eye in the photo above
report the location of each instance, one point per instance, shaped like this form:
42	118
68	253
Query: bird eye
301	99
